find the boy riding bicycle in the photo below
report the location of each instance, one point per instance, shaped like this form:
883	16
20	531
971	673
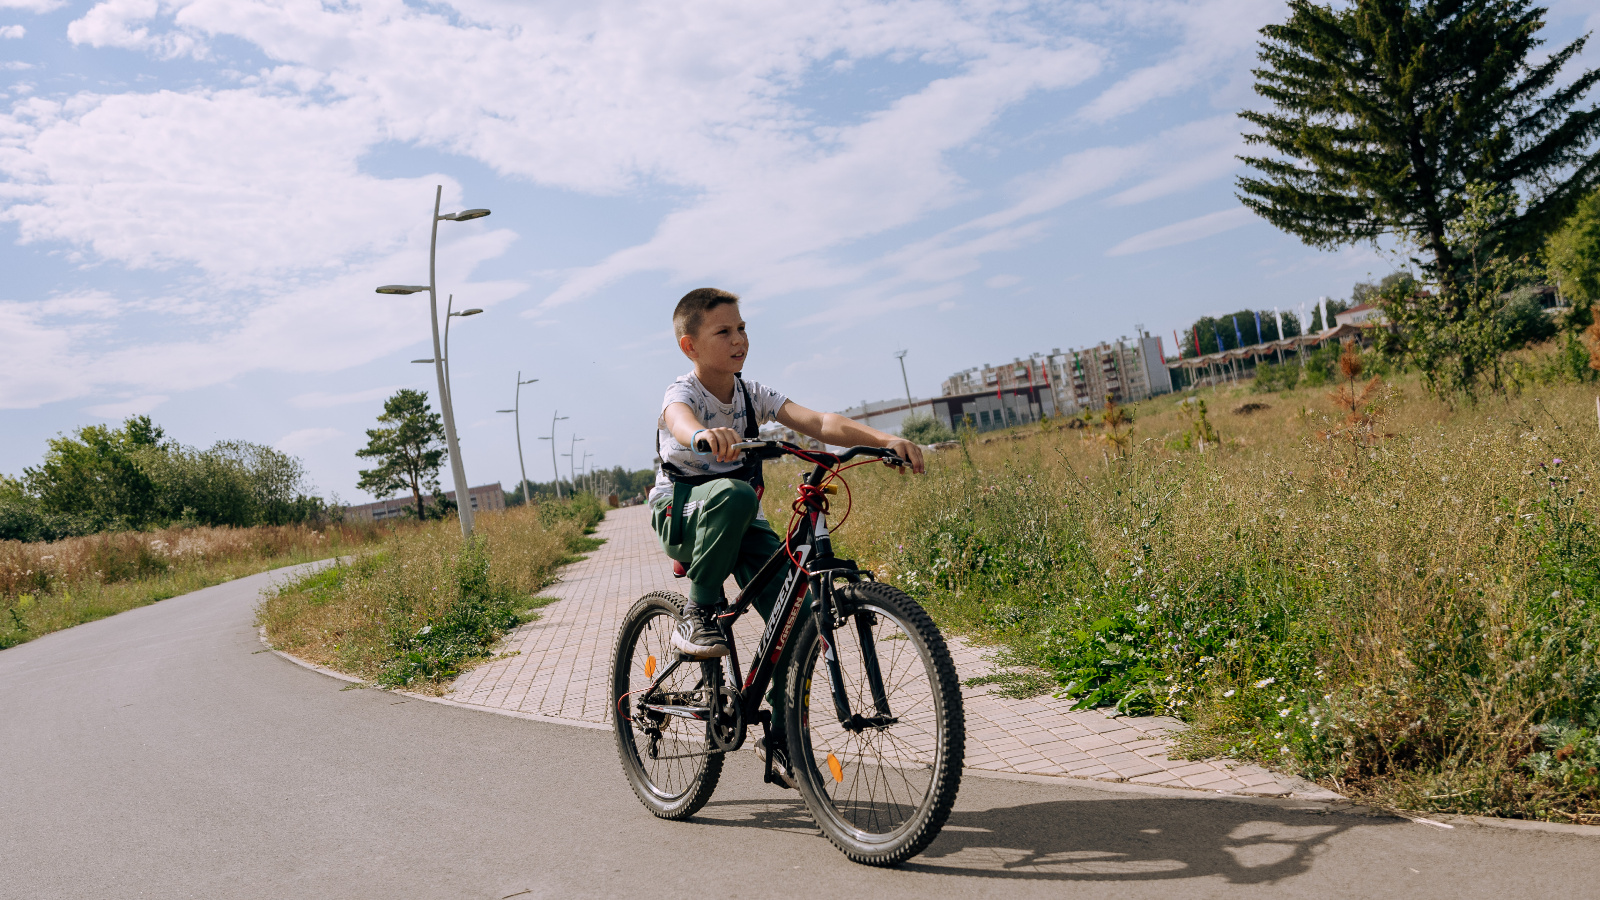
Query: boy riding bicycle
706	506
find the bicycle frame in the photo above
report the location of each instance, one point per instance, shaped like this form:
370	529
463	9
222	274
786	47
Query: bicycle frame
816	572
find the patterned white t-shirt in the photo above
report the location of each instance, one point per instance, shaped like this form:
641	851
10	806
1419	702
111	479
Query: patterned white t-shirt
712	413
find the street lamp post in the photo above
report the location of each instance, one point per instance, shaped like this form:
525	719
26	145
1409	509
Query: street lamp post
458	472
516	412
588	476
555	467
448	315
571	469
901	355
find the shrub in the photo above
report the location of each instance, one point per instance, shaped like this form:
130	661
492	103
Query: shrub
1273	377
426	605
925	430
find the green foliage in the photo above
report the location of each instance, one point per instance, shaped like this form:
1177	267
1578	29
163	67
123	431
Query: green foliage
1201	433
233	483
1524	321
1219	332
583	509
475	618
1106	663
1273	377
626	482
925	430
1572	757
1458	335
104	478
1572	257
409	448
1383	113
96	475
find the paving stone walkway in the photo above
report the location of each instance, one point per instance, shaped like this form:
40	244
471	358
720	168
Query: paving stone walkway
557	667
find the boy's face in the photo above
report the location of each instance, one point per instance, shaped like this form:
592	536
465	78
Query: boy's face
720	344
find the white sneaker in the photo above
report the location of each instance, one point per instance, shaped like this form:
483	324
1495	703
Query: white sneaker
697	635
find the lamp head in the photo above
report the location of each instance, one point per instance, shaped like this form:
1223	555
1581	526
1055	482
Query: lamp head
506	410
467	312
424	360
466	215
900	354
402	288
529	381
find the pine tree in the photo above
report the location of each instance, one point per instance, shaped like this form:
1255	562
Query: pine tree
409	448
1385	111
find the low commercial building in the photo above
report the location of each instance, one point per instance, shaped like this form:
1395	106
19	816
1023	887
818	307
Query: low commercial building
484	498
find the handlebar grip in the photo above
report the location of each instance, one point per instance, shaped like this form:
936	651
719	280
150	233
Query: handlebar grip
703	445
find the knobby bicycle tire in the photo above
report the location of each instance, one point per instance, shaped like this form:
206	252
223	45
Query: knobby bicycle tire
675	787
880	794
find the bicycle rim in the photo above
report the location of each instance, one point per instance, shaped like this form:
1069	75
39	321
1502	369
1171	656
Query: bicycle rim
882	793
672	772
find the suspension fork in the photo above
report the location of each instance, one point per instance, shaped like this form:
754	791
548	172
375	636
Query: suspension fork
825	614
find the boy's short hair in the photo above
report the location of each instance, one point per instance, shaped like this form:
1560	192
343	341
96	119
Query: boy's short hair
694	306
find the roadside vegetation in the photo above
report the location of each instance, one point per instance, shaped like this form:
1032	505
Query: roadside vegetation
48	586
135	478
1360	583
416	609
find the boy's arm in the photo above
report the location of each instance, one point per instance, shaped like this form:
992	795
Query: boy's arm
681	422
841	431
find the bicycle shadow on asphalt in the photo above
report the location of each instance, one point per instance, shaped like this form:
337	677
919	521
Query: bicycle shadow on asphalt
1123	839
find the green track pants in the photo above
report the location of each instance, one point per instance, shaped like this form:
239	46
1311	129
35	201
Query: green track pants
717	536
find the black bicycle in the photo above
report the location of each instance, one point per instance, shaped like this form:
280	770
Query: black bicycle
874	724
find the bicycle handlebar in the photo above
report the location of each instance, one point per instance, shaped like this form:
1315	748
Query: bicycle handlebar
775	449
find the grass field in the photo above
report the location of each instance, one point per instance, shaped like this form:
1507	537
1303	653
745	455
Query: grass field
45	587
416	609
1394	596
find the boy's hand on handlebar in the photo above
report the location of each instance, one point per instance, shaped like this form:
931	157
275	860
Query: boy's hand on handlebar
719	442
909	452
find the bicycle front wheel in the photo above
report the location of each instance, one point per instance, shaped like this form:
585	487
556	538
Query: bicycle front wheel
668	759
880	785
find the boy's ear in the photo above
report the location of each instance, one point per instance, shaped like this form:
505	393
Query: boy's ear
686	344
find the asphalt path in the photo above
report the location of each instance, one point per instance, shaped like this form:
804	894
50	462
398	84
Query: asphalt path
160	753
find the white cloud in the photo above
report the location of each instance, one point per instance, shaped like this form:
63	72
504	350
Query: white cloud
253	196
1186	157
1000	282
238	183
303	439
324	400
1216	36
33	6
113	24
1184	232
132	406
12	31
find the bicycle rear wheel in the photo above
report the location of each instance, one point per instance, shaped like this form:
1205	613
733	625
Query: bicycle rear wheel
881	789
668	759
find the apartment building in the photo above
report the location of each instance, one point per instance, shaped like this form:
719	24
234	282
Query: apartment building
1055	383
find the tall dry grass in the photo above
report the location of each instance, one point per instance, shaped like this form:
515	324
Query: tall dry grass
48	586
1401	599
417	608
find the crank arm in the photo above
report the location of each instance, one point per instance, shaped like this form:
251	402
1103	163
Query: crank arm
698	713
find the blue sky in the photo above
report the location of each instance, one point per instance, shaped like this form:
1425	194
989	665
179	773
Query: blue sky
198	196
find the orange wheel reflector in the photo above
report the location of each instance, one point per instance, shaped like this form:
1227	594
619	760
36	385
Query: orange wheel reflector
835	768
650	667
